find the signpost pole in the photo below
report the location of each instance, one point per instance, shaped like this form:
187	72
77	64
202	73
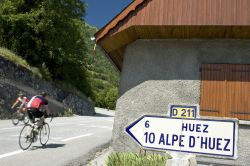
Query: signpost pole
181	159
182	111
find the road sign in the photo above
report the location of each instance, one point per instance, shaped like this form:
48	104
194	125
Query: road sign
183	111
203	136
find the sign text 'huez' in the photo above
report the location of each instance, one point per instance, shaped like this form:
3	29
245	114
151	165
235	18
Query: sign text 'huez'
203	136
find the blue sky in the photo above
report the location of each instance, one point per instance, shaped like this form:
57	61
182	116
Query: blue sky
100	12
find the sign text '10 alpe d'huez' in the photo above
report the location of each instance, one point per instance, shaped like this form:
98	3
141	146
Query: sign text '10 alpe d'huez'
202	136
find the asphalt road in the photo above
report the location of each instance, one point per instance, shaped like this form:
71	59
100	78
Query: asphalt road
71	139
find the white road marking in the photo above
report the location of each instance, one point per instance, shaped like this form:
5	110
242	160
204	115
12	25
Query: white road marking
11	153
64	123
105	127
55	138
101	127
80	136
9	128
14	135
90	121
83	124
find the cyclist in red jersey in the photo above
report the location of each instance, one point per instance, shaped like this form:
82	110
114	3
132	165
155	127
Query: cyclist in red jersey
34	108
22	101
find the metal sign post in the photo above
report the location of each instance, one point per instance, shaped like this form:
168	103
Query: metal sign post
185	111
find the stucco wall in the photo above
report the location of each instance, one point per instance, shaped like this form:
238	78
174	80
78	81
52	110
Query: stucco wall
158	72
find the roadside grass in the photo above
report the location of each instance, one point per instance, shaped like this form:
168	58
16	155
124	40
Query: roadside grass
41	73
9	55
133	159
67	113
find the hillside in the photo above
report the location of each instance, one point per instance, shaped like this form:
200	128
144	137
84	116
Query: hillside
17	76
54	39
101	74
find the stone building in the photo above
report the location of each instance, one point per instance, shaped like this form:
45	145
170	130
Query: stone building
180	51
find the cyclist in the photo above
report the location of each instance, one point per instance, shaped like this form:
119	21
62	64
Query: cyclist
34	108
22	101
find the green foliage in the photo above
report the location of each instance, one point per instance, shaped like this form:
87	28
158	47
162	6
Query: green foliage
107	98
67	113
101	74
45	72
70	88
53	37
9	55
47	32
132	159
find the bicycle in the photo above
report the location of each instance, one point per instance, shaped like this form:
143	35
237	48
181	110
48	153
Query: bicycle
28	135
18	116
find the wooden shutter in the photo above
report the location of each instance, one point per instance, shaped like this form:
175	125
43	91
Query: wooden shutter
225	90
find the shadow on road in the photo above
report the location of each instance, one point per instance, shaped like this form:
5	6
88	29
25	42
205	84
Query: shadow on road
52	145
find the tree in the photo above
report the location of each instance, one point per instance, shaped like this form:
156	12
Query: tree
49	33
52	35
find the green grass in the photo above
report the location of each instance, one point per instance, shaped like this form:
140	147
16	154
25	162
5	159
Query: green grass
132	159
18	60
67	113
9	55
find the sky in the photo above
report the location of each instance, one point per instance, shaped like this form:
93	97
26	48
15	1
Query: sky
100	12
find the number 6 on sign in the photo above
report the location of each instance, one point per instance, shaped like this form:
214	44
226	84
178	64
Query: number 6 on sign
183	111
147	124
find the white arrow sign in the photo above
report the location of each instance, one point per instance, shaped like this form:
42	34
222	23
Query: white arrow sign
203	136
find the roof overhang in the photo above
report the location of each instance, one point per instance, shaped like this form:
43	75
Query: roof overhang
130	25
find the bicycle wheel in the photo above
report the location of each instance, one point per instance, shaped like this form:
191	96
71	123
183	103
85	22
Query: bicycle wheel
44	133
26	137
15	118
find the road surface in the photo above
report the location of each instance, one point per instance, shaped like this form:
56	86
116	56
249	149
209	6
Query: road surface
71	139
